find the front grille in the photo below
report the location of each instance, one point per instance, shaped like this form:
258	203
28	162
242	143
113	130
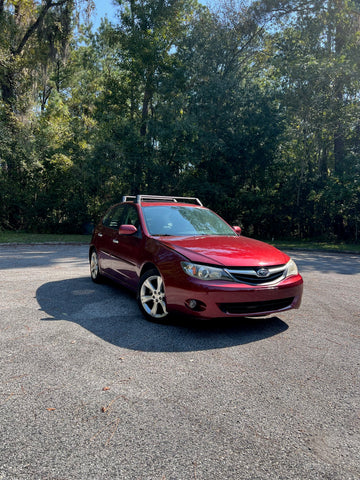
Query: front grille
250	275
256	307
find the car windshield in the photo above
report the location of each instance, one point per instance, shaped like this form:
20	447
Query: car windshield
181	220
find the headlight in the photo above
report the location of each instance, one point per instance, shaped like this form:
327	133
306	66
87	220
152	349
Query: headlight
204	272
291	268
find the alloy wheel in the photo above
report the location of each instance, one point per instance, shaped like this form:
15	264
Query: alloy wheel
152	296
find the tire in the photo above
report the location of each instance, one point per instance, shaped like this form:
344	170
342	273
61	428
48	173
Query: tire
95	267
151	297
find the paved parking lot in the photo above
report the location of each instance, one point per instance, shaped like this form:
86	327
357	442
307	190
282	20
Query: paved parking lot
90	390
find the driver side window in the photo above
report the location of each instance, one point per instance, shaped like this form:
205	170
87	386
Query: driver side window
131	216
113	218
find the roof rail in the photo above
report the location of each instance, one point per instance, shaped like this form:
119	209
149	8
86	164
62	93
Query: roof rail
158	198
128	198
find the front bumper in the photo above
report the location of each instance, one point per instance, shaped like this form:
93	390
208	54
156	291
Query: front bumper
224	299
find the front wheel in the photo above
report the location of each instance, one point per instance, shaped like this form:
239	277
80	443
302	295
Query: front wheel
151	297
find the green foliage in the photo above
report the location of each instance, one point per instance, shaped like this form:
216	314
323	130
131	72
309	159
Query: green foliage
254	108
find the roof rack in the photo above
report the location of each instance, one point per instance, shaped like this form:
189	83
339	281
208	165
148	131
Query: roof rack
157	198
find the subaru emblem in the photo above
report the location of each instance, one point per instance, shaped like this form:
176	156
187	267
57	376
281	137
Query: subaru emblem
262	272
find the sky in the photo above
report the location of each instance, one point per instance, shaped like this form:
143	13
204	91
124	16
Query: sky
105	8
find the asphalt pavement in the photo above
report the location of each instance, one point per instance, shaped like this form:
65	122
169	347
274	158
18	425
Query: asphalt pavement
91	390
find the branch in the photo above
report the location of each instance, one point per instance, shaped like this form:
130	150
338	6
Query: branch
34	27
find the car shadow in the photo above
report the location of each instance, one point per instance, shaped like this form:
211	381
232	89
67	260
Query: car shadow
112	314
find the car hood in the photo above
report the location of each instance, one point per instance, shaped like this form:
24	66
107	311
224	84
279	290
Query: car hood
226	251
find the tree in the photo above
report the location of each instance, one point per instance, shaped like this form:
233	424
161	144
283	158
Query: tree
30	31
253	107
33	38
316	58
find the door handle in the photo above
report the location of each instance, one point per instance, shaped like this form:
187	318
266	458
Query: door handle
115	241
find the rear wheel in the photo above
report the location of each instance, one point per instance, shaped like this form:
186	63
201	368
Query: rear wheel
151	296
94	267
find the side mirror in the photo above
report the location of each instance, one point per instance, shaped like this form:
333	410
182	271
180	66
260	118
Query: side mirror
127	230
237	230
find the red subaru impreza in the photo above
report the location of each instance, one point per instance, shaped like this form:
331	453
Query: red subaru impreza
181	257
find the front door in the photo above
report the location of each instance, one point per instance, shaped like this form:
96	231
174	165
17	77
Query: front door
126	250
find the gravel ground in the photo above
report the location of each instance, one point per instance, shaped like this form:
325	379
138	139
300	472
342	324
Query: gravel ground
89	389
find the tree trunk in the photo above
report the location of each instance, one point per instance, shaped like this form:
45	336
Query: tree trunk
339	141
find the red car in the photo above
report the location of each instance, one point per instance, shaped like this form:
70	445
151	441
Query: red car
181	257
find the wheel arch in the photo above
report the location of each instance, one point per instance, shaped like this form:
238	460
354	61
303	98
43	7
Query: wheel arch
91	249
148	266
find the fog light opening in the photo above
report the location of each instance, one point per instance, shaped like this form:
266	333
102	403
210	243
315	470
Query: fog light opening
195	305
